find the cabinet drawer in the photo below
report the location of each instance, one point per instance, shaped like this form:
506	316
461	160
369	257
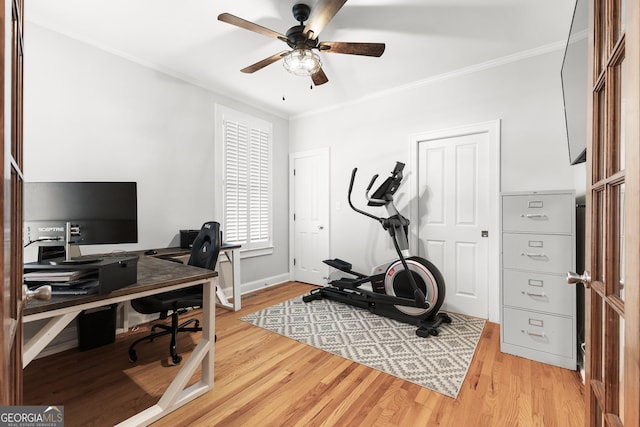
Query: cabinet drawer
541	332
544	213
539	292
534	252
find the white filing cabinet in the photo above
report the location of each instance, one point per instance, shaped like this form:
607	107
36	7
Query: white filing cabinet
538	308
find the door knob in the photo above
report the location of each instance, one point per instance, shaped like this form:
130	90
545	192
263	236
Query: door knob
43	293
584	278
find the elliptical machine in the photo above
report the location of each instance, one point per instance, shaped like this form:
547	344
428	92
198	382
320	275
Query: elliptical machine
410	298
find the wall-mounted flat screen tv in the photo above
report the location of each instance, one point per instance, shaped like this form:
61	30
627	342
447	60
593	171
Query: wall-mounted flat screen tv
574	84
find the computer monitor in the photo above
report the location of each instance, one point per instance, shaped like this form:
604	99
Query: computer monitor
80	213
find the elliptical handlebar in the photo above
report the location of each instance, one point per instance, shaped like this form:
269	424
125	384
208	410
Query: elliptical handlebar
373	179
370	199
353	178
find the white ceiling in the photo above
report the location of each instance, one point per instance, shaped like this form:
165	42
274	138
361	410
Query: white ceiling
424	39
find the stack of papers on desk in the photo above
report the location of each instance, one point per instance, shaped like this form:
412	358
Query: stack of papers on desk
56	275
86	287
77	282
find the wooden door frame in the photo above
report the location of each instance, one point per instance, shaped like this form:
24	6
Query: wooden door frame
631	176
5	302
632	220
11	125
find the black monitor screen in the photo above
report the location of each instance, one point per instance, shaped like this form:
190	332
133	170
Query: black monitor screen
100	212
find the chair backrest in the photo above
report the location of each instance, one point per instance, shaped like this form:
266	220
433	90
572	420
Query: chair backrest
206	246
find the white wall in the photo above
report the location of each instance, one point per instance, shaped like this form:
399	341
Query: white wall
91	115
525	95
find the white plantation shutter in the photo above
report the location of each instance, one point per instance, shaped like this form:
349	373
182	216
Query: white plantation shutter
247	184
259	188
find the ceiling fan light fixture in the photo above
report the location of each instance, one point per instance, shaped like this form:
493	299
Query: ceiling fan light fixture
302	62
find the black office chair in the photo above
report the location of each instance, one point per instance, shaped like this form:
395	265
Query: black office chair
204	253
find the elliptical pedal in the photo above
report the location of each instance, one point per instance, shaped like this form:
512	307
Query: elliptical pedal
316	294
338	264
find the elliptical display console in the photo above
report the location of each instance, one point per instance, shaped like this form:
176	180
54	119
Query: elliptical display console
413	298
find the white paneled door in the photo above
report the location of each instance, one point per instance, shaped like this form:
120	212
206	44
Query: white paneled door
453	217
310	201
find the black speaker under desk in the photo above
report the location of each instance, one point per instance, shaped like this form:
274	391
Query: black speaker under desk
97	327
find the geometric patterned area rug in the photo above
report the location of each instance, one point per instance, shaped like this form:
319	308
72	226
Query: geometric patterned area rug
438	363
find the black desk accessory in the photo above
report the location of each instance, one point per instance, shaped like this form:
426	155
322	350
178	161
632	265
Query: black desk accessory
112	272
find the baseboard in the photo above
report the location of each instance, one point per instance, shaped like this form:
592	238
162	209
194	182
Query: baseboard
267	282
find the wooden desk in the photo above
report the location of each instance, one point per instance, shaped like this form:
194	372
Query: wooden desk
154	276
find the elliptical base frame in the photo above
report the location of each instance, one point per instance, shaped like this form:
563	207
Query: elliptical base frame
371	302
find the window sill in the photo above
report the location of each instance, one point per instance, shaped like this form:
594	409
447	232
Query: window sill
250	253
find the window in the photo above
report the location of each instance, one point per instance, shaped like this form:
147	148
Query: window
244	161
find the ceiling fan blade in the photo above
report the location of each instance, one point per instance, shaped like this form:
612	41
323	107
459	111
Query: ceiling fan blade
248	25
349	48
319	78
321	14
261	64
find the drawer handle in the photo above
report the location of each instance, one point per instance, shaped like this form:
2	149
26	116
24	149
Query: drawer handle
534	255
534	216
536	334
534	294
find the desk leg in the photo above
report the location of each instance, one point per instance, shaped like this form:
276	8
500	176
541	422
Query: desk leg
235	272
222	298
176	394
233	255
39	341
126	308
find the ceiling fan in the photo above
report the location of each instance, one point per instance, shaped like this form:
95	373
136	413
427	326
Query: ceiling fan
303	40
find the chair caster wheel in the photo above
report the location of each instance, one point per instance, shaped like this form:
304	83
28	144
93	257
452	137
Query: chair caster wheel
133	357
434	332
446	318
175	360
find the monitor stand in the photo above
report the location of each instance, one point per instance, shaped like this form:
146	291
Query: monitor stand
61	255
45	253
68	260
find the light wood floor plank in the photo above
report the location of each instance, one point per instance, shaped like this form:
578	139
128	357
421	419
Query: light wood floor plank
263	379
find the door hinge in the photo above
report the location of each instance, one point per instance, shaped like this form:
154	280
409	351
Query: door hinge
294	217
294	261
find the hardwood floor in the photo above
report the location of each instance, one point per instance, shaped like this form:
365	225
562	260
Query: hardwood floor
263	379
